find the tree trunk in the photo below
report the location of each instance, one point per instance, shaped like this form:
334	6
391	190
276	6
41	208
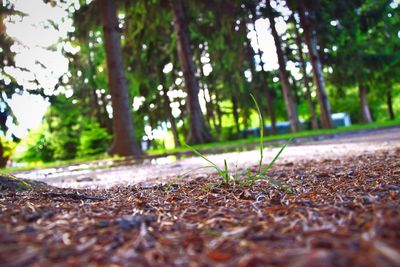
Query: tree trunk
365	112
311	40
198	131
311	106
295	89
2	26
283	75
389	105
235	114
124	143
171	119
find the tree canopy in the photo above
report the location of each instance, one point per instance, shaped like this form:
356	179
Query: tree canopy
160	73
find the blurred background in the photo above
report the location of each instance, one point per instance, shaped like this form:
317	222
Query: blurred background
80	79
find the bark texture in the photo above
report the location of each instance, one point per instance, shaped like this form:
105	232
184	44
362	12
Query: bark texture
198	131
311	41
2	26
365	112
124	143
284	75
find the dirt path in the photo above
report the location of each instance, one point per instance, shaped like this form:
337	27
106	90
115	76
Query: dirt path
342	213
163	169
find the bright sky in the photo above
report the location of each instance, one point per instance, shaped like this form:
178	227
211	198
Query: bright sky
33	35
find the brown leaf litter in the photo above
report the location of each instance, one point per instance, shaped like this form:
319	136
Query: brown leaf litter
345	213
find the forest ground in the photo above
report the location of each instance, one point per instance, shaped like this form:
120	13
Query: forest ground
345	212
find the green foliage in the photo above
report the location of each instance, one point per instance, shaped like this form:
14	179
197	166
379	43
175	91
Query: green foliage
37	147
65	143
227	133
358	43
346	101
64	125
8	147
362	48
65	135
44	145
93	140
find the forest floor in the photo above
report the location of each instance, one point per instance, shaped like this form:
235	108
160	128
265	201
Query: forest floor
345	212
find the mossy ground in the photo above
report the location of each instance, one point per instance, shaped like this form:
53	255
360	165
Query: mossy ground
11	183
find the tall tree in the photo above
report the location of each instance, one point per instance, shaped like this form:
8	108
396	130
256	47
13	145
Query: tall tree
283	73
306	20
389	104
124	142
365	111
198	131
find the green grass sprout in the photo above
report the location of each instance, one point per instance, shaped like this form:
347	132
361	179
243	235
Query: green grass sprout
224	174
263	171
249	178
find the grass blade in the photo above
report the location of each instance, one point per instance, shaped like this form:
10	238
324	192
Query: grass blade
263	171
248	174
226	172
220	172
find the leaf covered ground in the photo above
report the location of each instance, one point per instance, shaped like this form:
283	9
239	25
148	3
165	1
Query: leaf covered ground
345	213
